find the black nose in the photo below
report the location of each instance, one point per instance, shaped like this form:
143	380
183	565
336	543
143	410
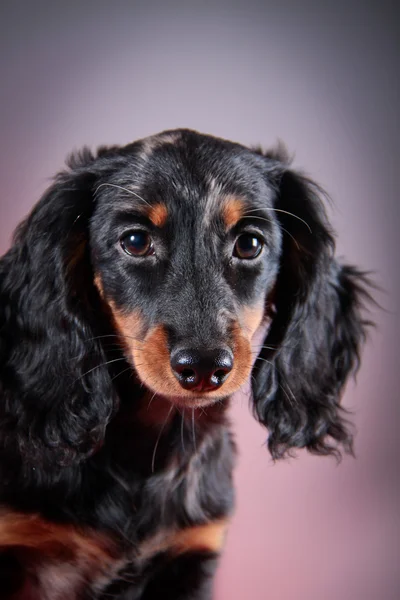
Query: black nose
201	371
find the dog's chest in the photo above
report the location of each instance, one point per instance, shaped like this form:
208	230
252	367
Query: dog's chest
181	508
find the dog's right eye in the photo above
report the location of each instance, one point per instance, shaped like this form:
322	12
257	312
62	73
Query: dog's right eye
137	243
247	246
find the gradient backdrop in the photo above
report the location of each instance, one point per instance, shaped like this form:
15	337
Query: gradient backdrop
323	77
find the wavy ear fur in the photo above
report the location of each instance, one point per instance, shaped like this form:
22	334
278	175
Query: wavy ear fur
55	401
314	341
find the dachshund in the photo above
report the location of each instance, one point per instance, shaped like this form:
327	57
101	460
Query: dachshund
132	299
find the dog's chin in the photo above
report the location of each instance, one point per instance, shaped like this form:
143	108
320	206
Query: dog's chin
194	400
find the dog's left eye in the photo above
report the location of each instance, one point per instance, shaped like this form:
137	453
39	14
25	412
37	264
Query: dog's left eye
247	246
137	243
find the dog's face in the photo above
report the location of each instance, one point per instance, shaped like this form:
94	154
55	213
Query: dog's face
181	245
185	248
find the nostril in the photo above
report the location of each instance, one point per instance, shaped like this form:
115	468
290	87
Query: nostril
184	367
186	373
220	373
219	377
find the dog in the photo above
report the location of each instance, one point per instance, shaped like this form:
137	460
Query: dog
131	300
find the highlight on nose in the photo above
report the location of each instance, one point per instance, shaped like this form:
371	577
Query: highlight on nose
201	370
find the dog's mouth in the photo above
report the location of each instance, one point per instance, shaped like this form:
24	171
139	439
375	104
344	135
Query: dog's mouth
195	401
189	376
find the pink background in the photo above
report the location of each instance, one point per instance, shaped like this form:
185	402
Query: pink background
322	77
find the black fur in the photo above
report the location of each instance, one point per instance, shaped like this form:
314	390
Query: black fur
74	447
313	344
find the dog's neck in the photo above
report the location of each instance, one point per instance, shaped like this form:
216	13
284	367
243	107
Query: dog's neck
148	430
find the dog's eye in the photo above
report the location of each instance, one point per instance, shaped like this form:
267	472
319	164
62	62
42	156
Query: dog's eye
137	243
247	246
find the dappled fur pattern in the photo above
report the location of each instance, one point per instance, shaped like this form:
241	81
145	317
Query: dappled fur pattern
97	456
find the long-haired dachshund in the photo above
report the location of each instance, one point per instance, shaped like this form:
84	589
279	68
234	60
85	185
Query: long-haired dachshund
129	303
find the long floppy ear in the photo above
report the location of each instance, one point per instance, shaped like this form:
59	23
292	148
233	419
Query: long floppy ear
314	340
55	401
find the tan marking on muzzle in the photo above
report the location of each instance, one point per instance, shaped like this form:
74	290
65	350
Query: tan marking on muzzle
130	328
149	353
252	317
151	358
152	362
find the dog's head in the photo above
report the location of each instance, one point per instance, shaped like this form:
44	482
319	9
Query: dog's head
189	244
185	249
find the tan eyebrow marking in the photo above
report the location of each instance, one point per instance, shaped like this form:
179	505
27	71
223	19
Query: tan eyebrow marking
158	214
232	210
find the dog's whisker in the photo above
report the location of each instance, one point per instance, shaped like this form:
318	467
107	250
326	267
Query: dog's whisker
194	432
182	430
287	395
108	362
266	348
121	372
291	215
269	221
153	458
100	337
94	353
121	187
151	400
284	346
247	216
286	212
273	365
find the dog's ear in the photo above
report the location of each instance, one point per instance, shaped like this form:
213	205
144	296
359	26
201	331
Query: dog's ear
313	343
56	398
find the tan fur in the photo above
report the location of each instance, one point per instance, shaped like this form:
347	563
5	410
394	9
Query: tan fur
209	537
158	214
152	362
232	211
149	353
59	558
252	319
99	284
